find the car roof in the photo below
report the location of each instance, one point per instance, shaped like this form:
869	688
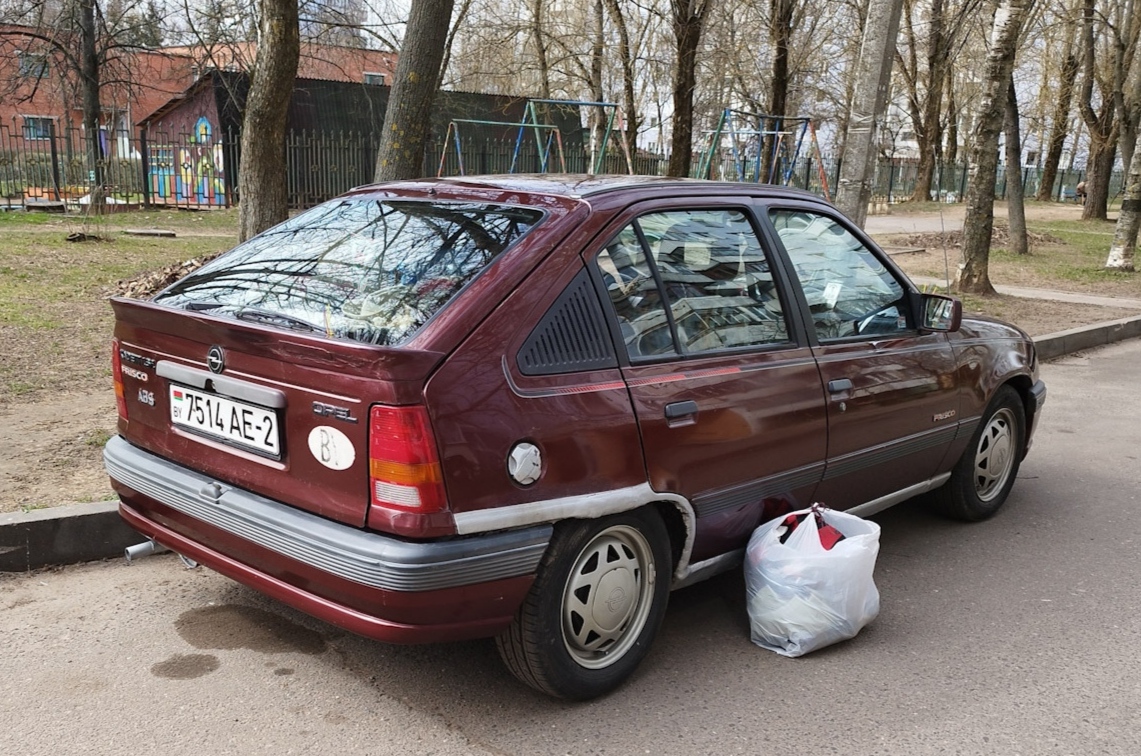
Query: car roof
582	186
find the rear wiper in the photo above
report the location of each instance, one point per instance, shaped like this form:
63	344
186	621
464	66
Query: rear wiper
202	306
276	318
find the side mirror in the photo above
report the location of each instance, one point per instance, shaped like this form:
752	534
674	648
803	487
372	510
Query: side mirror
940	313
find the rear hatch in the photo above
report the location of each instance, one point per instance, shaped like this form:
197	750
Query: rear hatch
260	368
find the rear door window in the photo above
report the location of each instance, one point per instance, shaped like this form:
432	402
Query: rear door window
703	272
361	269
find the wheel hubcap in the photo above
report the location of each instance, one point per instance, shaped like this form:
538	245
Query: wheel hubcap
608	597
994	458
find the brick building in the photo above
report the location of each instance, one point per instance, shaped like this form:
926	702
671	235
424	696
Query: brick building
39	89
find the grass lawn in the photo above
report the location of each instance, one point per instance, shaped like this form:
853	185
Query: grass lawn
55	321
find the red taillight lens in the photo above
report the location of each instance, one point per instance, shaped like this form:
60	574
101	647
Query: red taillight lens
404	469
117	377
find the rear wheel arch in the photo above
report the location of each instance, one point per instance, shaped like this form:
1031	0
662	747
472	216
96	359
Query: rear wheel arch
676	526
599	596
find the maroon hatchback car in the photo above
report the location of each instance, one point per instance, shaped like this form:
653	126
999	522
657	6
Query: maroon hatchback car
528	407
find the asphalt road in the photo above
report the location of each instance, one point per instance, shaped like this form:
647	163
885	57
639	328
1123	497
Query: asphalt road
1015	636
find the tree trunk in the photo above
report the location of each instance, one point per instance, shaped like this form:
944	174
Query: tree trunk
598	116
1059	129
1015	209
89	82
924	171
461	15
951	151
263	200
538	39
973	275
1130	113
407	119
1099	168
688	20
1128	220
929	131
1104	126
869	100
780	34
629	96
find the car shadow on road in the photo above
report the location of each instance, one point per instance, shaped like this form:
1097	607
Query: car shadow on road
704	642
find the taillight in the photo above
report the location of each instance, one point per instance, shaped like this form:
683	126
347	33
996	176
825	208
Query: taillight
117	377
404	469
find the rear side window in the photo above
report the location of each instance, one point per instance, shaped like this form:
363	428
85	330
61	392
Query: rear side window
362	269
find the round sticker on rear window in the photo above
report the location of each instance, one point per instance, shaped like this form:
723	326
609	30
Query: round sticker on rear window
332	448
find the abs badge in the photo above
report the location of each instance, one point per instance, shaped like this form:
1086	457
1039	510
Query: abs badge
332	448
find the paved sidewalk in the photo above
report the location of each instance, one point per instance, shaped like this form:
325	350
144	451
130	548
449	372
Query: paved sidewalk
951	220
1056	296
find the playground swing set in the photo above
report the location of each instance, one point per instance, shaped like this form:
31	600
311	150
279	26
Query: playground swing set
548	138
766	134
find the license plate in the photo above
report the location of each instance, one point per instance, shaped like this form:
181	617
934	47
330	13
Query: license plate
246	425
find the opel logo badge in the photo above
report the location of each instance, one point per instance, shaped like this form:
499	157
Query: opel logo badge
615	600
215	359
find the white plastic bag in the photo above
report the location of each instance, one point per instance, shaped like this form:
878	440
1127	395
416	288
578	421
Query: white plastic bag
801	596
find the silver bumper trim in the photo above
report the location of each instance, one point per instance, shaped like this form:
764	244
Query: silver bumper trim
363	557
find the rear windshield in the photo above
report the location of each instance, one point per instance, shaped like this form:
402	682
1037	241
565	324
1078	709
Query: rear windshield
362	269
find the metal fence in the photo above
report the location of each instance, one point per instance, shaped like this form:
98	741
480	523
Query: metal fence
200	170
46	166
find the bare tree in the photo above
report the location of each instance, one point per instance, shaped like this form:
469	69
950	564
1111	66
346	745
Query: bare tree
688	18
782	24
1067	78
84	51
1129	105
869	99
973	274
1119	38
1121	251
263	199
1015	206
629	78
947	24
539	41
461	16
1124	245
407	117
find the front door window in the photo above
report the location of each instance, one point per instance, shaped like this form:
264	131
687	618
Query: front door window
849	291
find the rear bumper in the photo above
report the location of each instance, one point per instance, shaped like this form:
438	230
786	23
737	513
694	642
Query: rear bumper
375	585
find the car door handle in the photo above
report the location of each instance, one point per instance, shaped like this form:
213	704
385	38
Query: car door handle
839	386
680	409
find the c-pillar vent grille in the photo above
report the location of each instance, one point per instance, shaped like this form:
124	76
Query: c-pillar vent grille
571	337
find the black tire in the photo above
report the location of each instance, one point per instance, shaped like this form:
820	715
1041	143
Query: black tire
599	597
982	478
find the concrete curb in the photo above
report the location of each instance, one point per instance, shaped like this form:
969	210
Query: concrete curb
85	532
1087	337
63	535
